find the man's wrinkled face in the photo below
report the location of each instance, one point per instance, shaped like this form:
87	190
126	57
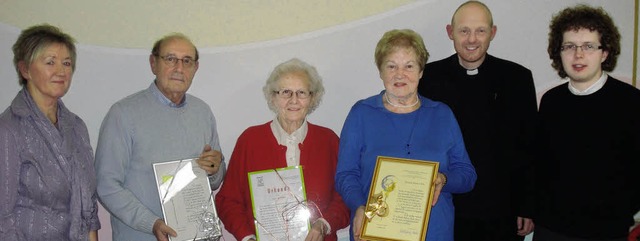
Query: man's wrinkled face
173	80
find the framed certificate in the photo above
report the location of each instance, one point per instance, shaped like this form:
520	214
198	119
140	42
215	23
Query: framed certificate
278	198
187	201
399	202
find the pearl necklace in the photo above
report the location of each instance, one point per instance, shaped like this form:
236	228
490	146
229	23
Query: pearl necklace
402	106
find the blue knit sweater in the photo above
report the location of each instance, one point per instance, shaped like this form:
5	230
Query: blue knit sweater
429	133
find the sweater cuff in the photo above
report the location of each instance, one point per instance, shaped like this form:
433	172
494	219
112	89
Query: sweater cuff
146	224
249	237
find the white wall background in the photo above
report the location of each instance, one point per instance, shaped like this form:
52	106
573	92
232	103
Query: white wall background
230	78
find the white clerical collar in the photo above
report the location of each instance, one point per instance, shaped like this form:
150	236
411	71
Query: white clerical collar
592	89
469	71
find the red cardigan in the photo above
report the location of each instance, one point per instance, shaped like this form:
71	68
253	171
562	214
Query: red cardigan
257	149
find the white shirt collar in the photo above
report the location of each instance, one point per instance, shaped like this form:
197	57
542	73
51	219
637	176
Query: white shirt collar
290	141
593	88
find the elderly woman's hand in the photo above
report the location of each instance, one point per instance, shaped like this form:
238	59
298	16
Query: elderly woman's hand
440	181
356	226
317	232
210	160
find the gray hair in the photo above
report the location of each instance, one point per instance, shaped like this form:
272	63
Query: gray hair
291	66
35	39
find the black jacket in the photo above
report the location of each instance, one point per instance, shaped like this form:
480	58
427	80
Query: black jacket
496	110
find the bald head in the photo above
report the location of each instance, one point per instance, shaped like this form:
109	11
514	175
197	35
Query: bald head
157	46
471	30
472	8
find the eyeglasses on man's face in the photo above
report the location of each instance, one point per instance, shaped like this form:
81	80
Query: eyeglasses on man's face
587	48
171	61
286	94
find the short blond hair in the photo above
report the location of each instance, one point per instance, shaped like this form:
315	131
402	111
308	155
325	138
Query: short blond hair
401	38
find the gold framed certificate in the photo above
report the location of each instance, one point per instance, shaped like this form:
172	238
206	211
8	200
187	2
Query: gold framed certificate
187	202
278	198
399	201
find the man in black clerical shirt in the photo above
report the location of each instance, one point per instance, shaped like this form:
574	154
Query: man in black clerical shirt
494	101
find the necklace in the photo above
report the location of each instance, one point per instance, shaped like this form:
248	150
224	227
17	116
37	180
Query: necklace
402	106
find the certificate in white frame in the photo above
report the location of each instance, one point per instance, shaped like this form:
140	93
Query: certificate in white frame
186	199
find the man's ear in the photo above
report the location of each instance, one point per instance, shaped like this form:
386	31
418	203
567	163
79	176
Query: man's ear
605	54
494	29
450	31
153	63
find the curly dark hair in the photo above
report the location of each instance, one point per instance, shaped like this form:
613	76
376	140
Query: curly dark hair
583	17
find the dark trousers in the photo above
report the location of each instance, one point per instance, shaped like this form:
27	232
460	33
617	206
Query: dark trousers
476	229
543	234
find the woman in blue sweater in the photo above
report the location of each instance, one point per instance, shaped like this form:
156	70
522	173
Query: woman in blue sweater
400	123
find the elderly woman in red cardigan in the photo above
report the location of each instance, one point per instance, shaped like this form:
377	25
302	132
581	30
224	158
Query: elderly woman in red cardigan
293	91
